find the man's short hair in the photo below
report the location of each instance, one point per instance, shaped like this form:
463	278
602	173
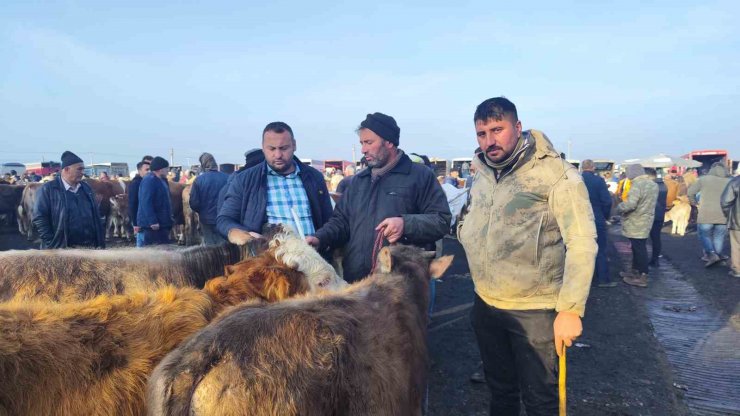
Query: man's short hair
651	172
140	164
587	164
496	108
147	159
278	127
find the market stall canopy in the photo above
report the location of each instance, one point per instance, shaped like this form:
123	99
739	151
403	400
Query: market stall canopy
661	160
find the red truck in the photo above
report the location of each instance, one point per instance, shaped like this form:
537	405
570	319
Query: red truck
709	157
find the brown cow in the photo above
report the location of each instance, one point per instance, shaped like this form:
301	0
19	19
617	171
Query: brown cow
94	357
25	210
176	190
361	351
10	200
191	230
104	191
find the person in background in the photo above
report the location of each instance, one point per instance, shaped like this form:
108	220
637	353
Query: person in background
638	212
154	216
104	177
711	220
349	173
660	209
252	157
66	212
204	197
730	203
601	203
142	169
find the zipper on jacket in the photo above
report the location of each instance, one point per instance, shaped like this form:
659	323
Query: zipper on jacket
537	239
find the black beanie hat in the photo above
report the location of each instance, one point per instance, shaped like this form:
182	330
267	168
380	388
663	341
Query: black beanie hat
158	163
253	157
382	125
69	158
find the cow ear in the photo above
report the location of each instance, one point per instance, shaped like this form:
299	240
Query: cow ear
439	266
228	270
385	263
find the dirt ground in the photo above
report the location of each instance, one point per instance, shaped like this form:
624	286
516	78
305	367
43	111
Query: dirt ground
621	370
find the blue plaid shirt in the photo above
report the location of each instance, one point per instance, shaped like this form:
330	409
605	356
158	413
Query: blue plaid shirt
284	192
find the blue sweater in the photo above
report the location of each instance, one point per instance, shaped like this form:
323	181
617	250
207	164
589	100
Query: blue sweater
154	203
204	195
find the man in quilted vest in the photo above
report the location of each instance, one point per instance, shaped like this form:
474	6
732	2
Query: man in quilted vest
530	240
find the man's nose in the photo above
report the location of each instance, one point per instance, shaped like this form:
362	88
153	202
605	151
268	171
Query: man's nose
488	141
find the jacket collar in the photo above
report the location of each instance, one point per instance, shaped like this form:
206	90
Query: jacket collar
542	148
403	167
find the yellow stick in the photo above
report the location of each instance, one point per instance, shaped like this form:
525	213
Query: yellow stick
561	384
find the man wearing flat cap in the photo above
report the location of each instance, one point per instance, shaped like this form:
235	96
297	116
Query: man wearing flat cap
395	197
154	216
66	211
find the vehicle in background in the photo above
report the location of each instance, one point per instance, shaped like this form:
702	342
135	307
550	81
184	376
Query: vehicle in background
7	167
576	163
462	165
707	158
111	168
338	165
43	168
316	164
601	166
441	166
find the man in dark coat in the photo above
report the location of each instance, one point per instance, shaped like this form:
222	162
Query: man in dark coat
204	197
395	197
142	168
280	189
251	158
66	212
601	203
660	208
154	216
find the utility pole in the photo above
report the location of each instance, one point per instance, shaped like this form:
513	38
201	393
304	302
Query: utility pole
354	156
172	156
568	157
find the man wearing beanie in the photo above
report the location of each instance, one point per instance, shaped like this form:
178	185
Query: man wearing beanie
530	240
638	212
252	157
154	217
278	190
66	212
204	197
395	197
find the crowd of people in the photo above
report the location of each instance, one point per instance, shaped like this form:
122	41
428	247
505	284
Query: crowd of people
534	228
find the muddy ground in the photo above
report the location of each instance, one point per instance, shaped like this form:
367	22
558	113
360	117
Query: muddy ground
622	370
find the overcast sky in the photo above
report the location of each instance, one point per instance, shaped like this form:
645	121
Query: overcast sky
113	81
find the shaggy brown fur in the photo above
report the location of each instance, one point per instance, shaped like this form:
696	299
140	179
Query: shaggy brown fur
94	357
191	231
361	351
69	275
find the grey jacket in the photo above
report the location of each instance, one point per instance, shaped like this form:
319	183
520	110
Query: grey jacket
638	211
711	186
730	202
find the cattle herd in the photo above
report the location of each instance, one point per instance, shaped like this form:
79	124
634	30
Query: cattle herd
268	328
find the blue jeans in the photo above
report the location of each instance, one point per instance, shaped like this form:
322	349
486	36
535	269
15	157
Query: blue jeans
712	237
140	239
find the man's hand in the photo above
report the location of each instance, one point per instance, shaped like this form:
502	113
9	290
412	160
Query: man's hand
392	229
241	237
313	241
567	327
137	230
154	227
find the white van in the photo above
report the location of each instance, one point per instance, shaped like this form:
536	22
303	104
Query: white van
6	167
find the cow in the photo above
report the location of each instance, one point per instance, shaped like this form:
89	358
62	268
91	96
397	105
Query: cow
191	230
10	200
120	220
94	357
104	191
25	210
361	351
78	274
679	215
176	190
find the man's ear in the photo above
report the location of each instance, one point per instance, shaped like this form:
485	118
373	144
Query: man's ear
384	260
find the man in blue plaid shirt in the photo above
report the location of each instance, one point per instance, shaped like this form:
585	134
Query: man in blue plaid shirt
279	190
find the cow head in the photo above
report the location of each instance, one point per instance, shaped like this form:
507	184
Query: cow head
257	277
389	257
294	252
119	204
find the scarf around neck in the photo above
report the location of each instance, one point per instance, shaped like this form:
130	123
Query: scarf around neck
521	146
378	172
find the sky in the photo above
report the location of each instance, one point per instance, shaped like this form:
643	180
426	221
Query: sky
113	81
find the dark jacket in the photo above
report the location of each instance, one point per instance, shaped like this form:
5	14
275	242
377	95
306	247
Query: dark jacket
245	204
50	214
409	190
204	195
133	198
155	206
660	206
598	194
730	202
